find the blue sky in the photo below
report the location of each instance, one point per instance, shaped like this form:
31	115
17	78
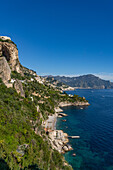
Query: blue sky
61	37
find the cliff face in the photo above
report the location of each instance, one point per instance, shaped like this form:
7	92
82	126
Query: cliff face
10	52
19	88
9	60
5	70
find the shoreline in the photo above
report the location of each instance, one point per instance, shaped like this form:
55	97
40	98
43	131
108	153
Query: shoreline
58	139
63	104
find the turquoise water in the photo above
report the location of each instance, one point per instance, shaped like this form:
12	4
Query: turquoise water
94	125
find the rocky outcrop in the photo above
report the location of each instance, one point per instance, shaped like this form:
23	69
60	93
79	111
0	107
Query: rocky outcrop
5	70
9	60
19	88
28	71
10	52
77	103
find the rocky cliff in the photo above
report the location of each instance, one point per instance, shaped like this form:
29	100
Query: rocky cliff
9	60
9	50
19	88
5	70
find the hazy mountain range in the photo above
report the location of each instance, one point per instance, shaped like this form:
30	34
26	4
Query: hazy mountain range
88	81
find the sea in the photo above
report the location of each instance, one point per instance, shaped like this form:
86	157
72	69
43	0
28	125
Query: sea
94	125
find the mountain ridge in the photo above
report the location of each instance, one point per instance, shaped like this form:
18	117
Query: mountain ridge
88	81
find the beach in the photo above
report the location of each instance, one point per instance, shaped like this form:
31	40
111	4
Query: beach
58	139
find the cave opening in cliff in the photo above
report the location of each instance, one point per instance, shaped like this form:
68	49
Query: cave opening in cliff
6	53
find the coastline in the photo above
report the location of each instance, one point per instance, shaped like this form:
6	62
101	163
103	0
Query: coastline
58	139
63	104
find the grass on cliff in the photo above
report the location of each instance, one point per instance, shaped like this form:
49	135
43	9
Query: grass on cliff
49	97
17	120
16	75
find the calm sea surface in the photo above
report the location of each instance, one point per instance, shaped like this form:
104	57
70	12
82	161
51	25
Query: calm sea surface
94	125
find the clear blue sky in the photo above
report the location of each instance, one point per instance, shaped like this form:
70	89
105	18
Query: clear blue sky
65	37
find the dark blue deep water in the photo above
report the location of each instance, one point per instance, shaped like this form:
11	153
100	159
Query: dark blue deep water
94	125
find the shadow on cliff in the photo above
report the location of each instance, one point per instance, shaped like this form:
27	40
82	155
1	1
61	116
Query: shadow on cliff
3	165
32	167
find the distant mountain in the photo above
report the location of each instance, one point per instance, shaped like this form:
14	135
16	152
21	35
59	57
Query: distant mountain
86	81
50	81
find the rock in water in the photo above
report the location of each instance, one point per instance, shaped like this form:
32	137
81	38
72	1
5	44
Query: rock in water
19	88
5	70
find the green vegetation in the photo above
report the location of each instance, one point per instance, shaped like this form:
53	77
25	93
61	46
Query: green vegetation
23	142
20	124
16	75
49	97
18	120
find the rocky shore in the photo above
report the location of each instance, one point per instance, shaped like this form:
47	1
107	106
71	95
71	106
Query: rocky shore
62	104
58	139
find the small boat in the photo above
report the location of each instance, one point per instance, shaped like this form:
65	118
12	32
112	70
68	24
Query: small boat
74	154
76	137
64	120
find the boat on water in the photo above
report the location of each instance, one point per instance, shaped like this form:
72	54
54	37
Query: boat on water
64	120
74	154
76	137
